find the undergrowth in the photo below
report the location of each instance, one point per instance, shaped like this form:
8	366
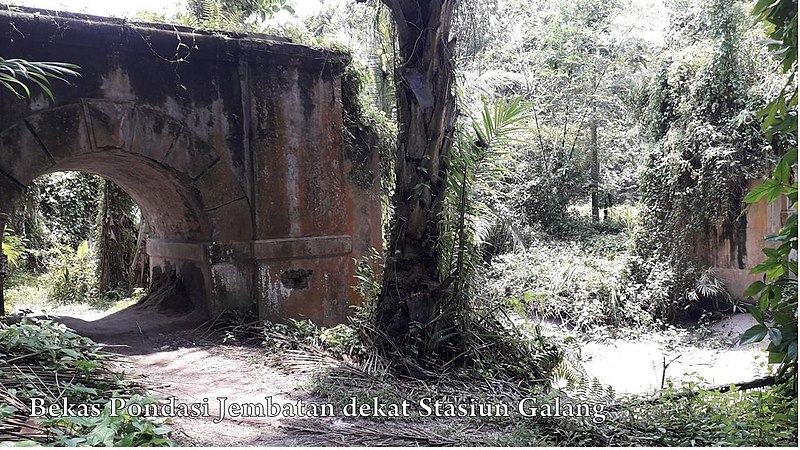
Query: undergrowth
70	284
579	284
345	372
40	359
680	416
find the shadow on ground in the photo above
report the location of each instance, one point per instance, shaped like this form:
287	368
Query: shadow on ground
137	329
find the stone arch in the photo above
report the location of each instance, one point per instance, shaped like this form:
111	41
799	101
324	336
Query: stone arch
186	192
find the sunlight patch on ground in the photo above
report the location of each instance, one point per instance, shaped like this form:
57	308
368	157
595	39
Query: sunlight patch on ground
637	365
32	296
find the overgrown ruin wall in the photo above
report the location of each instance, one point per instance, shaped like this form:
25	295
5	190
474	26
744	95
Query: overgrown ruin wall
231	146
734	253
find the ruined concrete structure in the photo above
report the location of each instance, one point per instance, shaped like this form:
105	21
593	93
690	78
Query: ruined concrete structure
232	147
732	253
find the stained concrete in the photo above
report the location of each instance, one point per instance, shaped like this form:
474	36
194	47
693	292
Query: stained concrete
231	145
733	253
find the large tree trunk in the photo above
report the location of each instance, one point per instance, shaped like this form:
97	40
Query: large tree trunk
426	112
116	237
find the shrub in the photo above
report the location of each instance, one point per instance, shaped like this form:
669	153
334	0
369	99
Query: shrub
700	108
14	248
72	277
50	361
680	417
567	281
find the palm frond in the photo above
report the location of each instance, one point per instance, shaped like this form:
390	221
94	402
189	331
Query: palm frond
14	73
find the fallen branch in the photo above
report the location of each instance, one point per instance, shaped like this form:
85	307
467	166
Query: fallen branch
741	386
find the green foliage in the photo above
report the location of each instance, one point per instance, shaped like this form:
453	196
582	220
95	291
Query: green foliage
368	283
580	69
235	15
570	282
57	209
305	335
780	18
552	182
366	30
477	166
16	74
53	343
46	360
776	310
57	215
680	417
14	248
72	276
700	113
106	430
366	128
761	418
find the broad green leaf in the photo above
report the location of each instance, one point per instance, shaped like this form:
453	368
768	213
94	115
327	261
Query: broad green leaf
6	410
770	189
775	335
791	351
755	312
754	289
776	357
83	248
753	335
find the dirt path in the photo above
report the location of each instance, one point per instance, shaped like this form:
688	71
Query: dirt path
171	359
239	374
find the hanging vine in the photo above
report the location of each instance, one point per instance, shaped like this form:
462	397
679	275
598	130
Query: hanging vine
708	146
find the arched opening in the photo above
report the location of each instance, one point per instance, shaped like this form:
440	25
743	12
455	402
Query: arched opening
97	212
76	240
185	194
170	209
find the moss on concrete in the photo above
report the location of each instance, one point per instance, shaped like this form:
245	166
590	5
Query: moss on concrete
365	128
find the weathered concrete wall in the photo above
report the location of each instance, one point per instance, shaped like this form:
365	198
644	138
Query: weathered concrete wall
231	146
734	253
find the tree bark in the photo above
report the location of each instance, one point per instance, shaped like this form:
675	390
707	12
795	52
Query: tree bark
426	111
116	237
594	169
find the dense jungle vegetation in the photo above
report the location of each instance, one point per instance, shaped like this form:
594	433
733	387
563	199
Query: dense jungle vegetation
566	170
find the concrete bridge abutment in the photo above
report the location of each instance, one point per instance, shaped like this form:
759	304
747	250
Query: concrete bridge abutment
232	146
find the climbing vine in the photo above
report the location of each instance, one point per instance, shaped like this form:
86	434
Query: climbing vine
367	128
708	146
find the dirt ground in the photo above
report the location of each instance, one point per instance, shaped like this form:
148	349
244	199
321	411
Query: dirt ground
172	357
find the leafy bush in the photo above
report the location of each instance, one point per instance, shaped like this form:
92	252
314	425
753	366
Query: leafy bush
776	311
47	360
681	416
566	281
304	334
760	418
701	103
14	248
551	185
72	277
58	208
